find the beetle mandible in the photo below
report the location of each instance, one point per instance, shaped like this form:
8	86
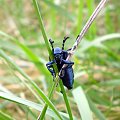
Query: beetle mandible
60	55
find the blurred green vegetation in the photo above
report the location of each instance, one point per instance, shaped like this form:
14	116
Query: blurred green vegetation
97	60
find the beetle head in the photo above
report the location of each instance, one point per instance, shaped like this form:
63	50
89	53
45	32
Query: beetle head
57	53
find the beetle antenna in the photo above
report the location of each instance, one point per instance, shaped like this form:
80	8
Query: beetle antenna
51	42
65	38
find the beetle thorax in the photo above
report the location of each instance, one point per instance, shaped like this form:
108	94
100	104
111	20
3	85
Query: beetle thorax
57	50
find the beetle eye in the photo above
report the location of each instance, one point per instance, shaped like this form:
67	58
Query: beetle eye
58	56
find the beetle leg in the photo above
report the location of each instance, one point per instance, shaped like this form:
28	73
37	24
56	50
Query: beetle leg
67	62
69	49
50	67
62	73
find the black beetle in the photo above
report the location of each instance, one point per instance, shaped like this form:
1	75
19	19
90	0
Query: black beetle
60	55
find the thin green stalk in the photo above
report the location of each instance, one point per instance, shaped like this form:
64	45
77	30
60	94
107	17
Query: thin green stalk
34	85
66	100
55	67
50	96
82	33
109	21
41	116
92	31
36	6
4	116
79	17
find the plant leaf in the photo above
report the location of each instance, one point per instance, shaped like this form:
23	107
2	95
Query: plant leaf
31	104
36	6
110	83
4	116
54	66
60	10
95	110
99	40
39	91
82	104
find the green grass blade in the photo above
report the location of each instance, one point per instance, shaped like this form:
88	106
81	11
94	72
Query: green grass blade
41	116
4	89
45	98
4	116
95	110
66	100
25	102
92	31
82	104
79	17
26	84
99	40
98	99
31	104
109	21
53	21
36	6
61	10
34	58
8	46
51	56
38	63
3	105
30	88
110	83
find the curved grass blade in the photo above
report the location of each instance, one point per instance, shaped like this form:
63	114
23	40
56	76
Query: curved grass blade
99	40
61	10
39	91
110	83
3	105
95	110
55	67
26	84
19	100
38	63
82	104
8	46
4	116
31	104
66	100
31	56
36	6
79	16
92	31
52	90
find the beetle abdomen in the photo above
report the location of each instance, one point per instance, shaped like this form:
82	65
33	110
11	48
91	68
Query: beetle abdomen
68	78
